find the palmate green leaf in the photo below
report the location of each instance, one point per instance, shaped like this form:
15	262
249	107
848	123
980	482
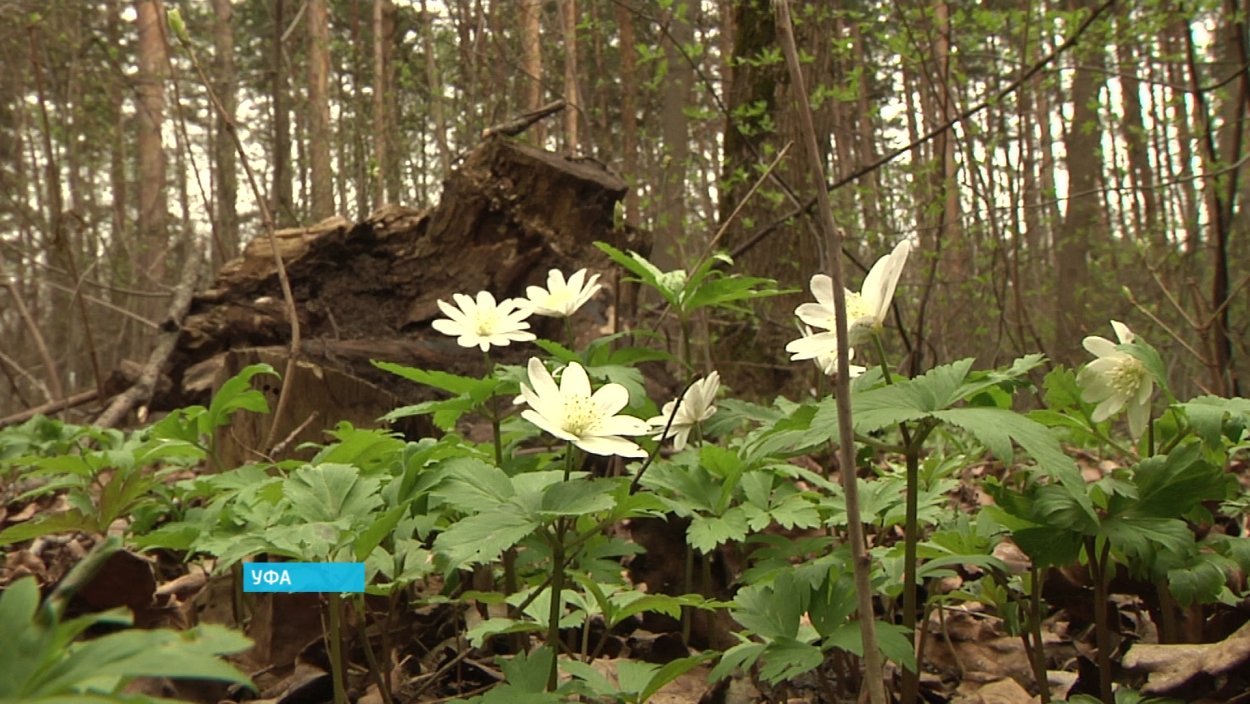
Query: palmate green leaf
482	537
1204	580
328	492
472	485
478	634
772	611
911	399
740	657
786	658
706	532
377	531
1171	486
1139	538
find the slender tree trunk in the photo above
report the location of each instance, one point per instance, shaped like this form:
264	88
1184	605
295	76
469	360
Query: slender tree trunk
629	113
380	88
283	205
673	128
322	181
435	82
1083	145
568	15
226	180
532	62
150	118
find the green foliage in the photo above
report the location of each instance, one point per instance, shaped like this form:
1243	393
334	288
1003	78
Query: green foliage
47	662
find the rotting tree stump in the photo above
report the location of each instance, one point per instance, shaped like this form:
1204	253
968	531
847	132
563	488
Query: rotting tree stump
367	291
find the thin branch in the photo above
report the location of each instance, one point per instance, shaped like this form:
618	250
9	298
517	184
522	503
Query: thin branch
846	437
288	297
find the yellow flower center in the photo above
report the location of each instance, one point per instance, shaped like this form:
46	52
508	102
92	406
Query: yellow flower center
1127	376
857	308
485	322
579	414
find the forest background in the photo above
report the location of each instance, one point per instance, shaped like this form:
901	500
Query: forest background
1057	164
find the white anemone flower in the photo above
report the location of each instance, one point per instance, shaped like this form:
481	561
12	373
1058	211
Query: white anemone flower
561	298
570	412
697	405
1116	380
821	348
866	310
483	322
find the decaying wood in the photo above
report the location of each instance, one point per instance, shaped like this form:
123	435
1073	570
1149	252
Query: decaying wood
369	290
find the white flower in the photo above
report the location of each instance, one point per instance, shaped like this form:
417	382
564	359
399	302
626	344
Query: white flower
866	310
697	405
1116	379
821	348
562	299
570	412
483	323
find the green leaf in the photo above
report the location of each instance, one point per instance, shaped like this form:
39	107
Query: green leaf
706	532
578	498
71	521
482	537
739	657
786	658
472	485
479	633
1171	486
236	393
328	492
1206	414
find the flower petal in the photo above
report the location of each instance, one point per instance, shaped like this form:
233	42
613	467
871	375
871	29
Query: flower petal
574	381
1122	333
548	425
1099	346
610	399
610	445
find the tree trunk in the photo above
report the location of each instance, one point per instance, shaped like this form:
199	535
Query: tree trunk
226	241
532	62
380	88
629	113
1083	146
435	83
283	205
568	16
322	181
150	118
672	176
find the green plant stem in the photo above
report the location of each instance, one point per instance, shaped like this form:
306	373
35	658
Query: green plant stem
568	332
911	680
1102	630
336	648
1037	654
911	528
380	678
557	581
687	617
553	613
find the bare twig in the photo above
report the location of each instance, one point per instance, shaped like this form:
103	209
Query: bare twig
270	230
846	437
